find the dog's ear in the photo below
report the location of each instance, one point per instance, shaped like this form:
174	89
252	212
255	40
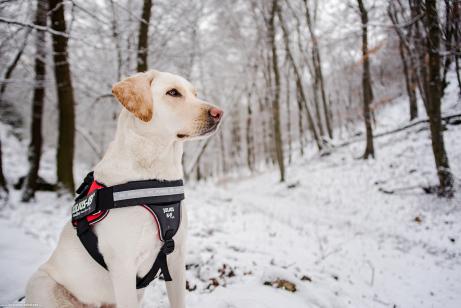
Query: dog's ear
135	95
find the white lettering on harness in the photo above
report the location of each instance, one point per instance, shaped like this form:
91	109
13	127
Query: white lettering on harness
169	211
82	205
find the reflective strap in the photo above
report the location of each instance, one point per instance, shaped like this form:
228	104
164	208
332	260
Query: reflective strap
148	192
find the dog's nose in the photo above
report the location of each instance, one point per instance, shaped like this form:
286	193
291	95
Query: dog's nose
216	113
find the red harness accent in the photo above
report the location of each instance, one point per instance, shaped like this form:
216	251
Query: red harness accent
100	215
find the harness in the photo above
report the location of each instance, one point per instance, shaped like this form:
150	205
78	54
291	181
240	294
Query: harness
161	198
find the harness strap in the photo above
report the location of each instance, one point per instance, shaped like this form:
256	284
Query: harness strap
90	241
159	264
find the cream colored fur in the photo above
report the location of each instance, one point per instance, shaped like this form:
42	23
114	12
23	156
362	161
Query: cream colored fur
147	145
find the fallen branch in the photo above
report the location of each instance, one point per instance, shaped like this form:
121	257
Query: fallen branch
410	125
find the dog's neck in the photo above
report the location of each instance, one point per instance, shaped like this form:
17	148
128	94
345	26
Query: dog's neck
139	152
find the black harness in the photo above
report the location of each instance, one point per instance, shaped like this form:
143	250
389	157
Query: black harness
161	198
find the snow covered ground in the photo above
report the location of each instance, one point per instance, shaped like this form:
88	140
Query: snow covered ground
330	230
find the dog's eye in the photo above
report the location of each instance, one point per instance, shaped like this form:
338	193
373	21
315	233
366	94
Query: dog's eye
174	93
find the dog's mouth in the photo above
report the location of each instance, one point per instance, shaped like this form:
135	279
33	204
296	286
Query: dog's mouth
206	132
210	129
182	136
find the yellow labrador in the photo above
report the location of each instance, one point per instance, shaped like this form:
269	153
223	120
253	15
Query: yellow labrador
161	111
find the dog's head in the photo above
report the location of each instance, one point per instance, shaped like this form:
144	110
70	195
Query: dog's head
168	102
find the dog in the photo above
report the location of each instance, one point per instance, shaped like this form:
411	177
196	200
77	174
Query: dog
161	111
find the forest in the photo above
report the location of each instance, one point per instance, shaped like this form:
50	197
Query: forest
345	112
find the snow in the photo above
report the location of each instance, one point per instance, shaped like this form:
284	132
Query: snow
20	255
330	230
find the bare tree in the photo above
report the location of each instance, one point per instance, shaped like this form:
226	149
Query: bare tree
249	134
434	92
35	146
3	184
143	38
451	37
299	85
319	85
115	37
367	90
276	99
65	92
288	105
406	57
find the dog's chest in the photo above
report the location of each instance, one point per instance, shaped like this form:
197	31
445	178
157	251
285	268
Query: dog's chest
131	233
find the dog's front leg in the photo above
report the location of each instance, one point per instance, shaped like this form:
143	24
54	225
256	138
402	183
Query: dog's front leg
123	275
177	288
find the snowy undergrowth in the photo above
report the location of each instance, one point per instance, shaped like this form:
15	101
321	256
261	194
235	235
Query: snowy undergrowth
331	230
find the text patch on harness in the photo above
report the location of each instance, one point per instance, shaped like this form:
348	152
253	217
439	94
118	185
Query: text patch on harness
84	207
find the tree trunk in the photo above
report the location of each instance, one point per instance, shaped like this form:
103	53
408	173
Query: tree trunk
35	146
299	85
406	57
65	92
319	85
3	184
223	151
366	83
115	36
300	120
457	40
288	102
249	136
417	37
143	38
318	110
264	133
434	96
236	149
409	82
276	98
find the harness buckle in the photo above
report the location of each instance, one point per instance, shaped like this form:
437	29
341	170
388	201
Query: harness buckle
168	247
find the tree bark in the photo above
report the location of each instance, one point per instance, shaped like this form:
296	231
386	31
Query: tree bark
300	120
3	184
407	63
299	85
420	50
434	95
143	38
366	83
36	140
249	135
115	36
276	98
65	92
319	85
223	152
288	103
457	40
236	149
409	82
